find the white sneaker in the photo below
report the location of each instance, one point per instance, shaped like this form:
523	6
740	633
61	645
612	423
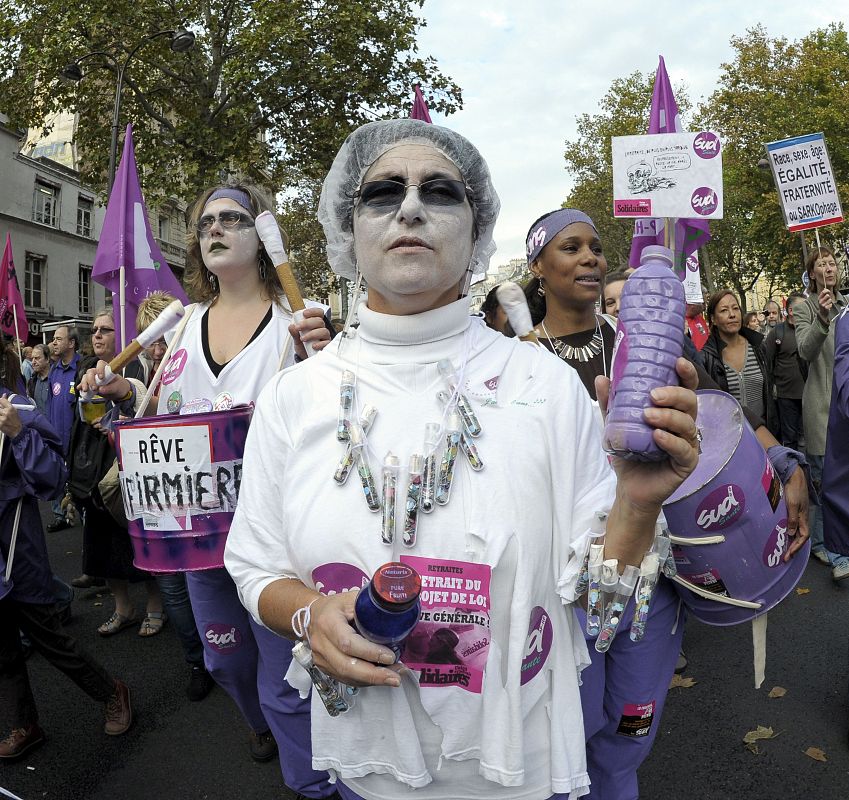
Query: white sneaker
840	568
821	556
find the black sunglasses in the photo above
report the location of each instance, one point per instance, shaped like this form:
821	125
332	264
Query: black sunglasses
384	195
227	218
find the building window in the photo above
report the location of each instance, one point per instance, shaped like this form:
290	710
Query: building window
45	203
35	277
85	216
164	229
85	289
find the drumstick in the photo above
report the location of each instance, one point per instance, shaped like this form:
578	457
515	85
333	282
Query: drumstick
515	305
269	234
156	330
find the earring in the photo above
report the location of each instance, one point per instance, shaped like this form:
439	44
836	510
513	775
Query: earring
262	272
540	288
213	281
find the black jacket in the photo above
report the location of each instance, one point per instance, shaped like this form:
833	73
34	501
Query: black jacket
712	355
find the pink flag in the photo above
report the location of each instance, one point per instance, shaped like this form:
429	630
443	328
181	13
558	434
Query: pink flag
11	302
419	106
127	241
690	234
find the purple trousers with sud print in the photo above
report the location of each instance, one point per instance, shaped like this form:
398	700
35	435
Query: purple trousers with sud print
249	661
623	693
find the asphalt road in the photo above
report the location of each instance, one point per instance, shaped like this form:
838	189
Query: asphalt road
178	749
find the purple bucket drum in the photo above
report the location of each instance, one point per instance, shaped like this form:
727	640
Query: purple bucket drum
729	522
180	479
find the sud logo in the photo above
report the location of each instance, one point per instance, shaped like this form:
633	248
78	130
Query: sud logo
721	508
706	144
776	545
223	638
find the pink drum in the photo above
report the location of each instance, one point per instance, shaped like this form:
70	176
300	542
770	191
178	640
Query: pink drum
729	523
180	478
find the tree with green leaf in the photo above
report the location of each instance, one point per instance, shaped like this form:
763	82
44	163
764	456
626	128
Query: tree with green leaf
269	91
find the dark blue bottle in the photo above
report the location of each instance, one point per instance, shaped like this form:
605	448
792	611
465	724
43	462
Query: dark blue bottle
388	608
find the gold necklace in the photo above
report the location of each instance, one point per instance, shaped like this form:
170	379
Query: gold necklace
583	353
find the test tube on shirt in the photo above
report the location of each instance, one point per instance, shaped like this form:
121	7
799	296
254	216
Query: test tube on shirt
347	461
649	573
327	688
616	607
594	590
428	499
596	532
391	465
466	443
470	420
663	545
363	469
411	506
346	404
449	458
609	582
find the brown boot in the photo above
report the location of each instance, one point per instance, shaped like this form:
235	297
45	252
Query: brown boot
119	713
20	741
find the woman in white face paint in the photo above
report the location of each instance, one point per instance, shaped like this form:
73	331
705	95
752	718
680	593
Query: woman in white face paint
233	343
483	702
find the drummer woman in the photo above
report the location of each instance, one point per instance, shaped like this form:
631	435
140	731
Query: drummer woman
230	347
566	258
409	207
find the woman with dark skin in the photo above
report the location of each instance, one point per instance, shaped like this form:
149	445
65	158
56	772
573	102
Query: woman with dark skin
568	271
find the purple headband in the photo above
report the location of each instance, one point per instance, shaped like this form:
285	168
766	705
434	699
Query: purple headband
232	194
548	227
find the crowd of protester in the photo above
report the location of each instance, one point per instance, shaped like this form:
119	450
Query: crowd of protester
777	364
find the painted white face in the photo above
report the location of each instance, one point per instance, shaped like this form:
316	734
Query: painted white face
412	256
228	249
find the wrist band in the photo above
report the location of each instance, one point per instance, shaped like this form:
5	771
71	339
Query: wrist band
301	621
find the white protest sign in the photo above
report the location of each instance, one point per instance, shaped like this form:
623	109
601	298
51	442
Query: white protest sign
805	182
668	175
167	473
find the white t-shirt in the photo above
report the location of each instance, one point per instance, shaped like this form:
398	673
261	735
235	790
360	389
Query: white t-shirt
499	717
188	375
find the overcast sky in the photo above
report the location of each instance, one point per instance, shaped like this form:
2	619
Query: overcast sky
528	69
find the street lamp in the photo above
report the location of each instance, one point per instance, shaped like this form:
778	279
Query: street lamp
764	164
182	40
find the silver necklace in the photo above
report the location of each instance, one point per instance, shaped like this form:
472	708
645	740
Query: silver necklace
583	353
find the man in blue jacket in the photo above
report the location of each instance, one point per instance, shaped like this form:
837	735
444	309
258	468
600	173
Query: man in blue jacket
33	469
62	401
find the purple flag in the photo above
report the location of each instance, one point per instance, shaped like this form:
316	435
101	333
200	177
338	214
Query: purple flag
420	107
127	241
690	234
13	322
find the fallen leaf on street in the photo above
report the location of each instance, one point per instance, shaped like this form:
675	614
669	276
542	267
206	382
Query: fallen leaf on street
777	691
680	682
752	737
803	591
816	754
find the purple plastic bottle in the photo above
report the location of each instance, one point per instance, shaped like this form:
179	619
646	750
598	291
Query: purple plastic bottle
649	340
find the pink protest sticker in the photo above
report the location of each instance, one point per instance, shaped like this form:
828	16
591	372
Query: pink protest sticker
636	719
338	577
538	644
450	644
635	207
776	545
175	366
721	508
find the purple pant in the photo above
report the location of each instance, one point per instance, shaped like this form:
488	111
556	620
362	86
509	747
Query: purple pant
623	693
248	661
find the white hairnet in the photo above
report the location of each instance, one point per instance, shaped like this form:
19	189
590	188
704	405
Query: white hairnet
368	143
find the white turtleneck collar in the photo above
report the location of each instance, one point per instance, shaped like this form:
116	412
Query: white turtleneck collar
415	338
393	330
